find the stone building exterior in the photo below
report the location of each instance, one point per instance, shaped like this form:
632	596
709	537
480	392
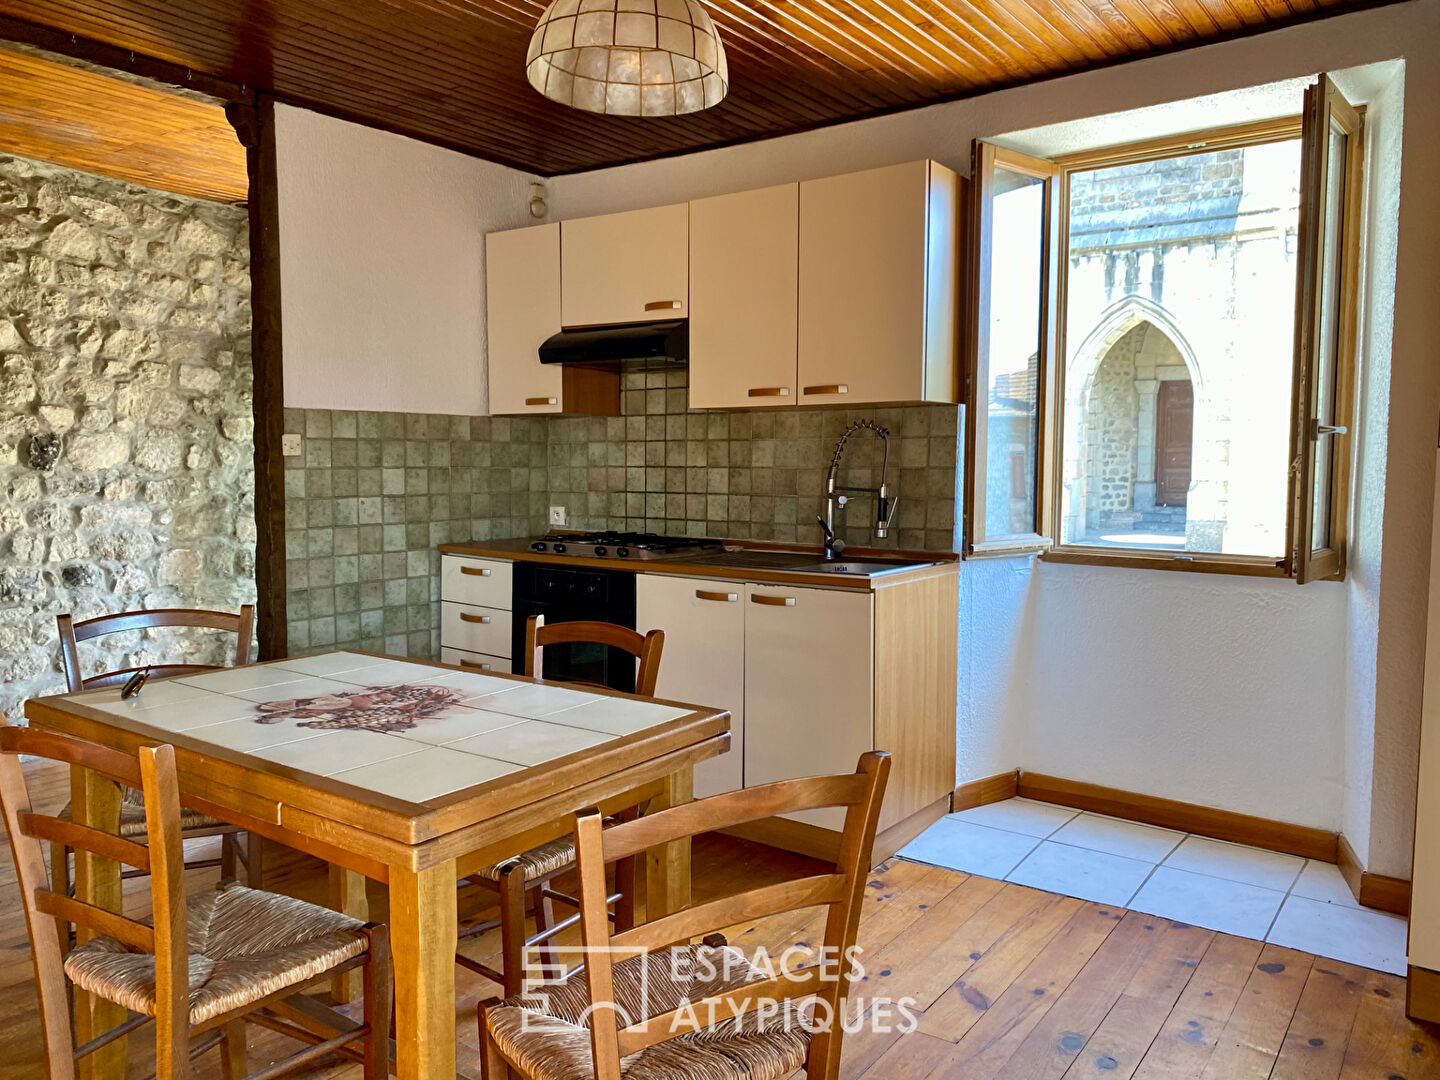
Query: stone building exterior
1181	271
126	424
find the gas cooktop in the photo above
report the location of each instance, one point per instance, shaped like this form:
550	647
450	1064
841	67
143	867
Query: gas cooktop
625	545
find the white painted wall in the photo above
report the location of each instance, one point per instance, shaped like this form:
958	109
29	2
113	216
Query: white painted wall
382	266
1300	704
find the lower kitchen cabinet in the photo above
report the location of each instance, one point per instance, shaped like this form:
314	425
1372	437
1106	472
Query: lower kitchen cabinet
704	658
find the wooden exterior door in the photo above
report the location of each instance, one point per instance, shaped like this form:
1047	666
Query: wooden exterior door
1174	425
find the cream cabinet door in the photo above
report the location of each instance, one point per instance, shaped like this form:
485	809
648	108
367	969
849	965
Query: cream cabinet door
625	268
703	662
879	263
808	686
522	309
743	282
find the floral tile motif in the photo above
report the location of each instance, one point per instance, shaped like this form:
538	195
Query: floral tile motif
371	708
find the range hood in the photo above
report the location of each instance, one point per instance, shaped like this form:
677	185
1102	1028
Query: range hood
648	343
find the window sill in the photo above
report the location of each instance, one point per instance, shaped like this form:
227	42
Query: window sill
1239	565
1023	545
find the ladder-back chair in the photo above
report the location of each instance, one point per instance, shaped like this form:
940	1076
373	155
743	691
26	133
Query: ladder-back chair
672	1009
525	880
200	966
132	808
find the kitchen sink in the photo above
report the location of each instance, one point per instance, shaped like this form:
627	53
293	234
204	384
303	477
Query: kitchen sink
858	567
760	560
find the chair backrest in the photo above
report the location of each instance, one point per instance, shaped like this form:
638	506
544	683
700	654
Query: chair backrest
861	792
47	911
71	632
646	648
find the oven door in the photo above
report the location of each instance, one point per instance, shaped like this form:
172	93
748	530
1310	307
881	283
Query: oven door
564	595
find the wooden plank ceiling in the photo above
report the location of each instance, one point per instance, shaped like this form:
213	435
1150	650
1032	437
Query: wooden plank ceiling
451	71
98	124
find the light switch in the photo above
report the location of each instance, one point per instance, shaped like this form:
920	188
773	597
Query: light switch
290	446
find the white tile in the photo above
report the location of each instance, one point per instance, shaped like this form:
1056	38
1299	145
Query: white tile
433	772
336	751
530	743
246	677
304	688
1018	816
390	672
456	722
1352	935
1232	907
247	736
327	663
1117	837
617	716
1323	881
1236	862
533	700
961	845
471	685
1089	875
152	695
188	713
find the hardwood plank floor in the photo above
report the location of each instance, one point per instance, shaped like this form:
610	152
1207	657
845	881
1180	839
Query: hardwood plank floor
1009	982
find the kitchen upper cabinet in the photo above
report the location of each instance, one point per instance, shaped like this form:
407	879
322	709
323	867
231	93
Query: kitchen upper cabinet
625	268
703	662
879	286
744	279
522	305
809	690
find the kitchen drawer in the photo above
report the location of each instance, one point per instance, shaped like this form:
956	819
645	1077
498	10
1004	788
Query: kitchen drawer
476	629
475	581
475	661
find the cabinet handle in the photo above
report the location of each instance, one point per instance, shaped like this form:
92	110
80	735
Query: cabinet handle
769	391
831	388
773	601
476	571
465	616
724	597
663	305
539	401
478	667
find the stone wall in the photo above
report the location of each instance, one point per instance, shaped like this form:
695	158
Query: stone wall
126	456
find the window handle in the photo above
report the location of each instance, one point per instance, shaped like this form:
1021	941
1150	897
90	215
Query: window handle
1317	429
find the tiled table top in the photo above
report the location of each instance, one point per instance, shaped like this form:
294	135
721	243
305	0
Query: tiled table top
410	731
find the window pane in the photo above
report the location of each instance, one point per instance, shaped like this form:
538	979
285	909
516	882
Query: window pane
1327	339
1012	361
1179	332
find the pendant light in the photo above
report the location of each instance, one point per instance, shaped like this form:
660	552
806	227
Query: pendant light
628	57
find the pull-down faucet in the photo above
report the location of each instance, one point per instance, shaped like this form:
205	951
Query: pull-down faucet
884	505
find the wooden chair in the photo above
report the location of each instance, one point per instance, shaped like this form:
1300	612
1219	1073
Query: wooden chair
132	806
683	1010
202	966
524	881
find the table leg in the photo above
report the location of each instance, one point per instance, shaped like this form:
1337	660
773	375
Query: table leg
667	868
422	939
347	895
95	801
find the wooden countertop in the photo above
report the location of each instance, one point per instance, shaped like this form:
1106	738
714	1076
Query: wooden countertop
930	563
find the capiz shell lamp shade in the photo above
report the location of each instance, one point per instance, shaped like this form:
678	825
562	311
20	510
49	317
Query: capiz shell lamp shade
628	57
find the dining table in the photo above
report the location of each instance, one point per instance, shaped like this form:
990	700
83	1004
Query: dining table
401	771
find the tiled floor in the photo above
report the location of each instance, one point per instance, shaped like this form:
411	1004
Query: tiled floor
1245	891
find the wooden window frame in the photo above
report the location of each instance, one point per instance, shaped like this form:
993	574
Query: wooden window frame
986	157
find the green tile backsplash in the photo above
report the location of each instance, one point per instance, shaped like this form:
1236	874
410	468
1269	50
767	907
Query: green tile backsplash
373	494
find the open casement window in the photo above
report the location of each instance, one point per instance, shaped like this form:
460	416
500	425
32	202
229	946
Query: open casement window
1329	244
1011	339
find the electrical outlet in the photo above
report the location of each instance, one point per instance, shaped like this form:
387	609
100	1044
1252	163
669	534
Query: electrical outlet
290	446
557	515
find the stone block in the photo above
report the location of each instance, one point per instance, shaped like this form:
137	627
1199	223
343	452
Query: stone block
104	450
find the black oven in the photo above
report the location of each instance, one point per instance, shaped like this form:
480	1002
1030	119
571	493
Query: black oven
565	595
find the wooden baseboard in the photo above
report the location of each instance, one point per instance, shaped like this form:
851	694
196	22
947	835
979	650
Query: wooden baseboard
1422	994
1258	832
1377	891
986	790
805	839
